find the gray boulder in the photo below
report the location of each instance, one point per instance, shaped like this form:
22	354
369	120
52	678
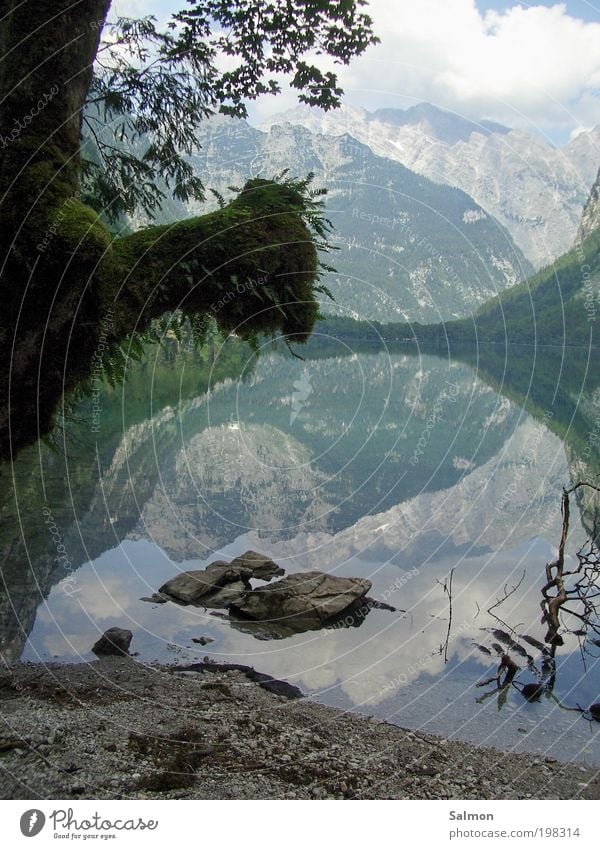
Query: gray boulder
225	596
308	599
220	582
260	566
113	641
197	586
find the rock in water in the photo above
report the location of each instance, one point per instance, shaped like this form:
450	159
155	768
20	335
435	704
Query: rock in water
310	598
262	567
220	583
532	692
196	587
225	596
113	641
155	598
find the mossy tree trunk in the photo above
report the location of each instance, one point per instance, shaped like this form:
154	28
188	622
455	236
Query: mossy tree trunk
252	264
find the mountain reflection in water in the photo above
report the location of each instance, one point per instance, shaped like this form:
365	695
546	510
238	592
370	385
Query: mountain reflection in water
381	464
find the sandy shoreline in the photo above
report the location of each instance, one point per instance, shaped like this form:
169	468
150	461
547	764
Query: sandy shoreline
117	729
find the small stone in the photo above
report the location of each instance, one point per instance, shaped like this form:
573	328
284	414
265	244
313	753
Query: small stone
113	641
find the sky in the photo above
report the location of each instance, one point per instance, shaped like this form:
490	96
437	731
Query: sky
534	66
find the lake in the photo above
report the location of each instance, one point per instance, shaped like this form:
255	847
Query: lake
407	468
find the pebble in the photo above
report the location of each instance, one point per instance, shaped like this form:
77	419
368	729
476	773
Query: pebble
346	755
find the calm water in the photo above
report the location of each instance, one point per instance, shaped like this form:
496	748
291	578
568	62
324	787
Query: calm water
382	464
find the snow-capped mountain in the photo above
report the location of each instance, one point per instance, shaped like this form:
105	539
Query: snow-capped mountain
408	248
537	191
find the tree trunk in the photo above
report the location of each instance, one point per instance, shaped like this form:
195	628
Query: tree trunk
48	49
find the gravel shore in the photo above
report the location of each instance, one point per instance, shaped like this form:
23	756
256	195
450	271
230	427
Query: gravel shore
117	729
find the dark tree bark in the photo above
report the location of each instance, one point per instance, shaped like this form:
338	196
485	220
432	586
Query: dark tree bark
47	52
252	264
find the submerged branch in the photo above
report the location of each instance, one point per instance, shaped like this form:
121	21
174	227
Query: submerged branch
555	576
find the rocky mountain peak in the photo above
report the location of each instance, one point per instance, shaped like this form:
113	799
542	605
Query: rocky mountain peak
536	190
446	127
590	220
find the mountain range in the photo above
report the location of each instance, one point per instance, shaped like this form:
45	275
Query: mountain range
407	247
536	190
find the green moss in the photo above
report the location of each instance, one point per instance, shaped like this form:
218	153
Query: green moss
252	265
81	228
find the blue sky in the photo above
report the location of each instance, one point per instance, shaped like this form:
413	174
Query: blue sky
582	9
534	66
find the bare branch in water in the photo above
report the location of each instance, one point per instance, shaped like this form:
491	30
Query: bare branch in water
447	587
584	590
568	595
499	602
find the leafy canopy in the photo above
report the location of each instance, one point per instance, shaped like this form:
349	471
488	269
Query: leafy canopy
153	87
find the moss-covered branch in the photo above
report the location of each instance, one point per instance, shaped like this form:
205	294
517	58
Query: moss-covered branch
251	265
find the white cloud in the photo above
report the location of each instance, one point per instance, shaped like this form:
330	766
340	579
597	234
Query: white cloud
528	66
534	65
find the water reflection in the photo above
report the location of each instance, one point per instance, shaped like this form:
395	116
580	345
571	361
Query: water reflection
376	464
